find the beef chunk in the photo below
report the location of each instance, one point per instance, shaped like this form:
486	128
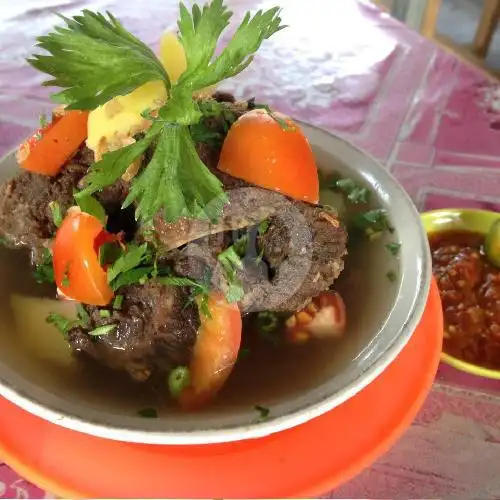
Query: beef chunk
156	331
304	247
25	216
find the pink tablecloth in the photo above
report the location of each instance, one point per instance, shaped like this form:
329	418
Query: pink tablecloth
431	119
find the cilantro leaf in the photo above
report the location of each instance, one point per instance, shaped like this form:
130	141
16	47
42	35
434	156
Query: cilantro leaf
55	210
128	260
393	248
62	323
44	271
263	413
132	276
199	32
355	193
373	222
94	58
112	166
231	263
193	191
103	330
91	206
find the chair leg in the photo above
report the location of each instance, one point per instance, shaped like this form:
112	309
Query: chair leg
486	29
430	17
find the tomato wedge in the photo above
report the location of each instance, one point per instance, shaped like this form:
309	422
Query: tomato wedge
324	317
77	271
260	150
215	352
50	148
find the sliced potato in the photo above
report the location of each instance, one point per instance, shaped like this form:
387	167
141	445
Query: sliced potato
39	337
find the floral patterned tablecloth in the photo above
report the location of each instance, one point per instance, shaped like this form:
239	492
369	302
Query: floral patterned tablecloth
431	119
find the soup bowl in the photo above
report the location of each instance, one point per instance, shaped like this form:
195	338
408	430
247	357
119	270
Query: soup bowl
38	373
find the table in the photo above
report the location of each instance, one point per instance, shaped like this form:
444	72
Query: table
430	118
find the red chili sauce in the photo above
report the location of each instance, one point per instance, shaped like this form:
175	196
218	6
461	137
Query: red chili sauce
470	292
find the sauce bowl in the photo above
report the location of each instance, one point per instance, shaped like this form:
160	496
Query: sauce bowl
462	219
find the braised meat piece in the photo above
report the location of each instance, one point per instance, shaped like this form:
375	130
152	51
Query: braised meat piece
155	331
25	217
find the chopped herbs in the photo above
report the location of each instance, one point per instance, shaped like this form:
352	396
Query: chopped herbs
393	248
44	271
263	413
117	302
55	210
200	290
4	242
103	330
240	245
231	263
133	257
263	227
83	315
391	276
268	323
178	379
148	413
372	222
354	191
62	323
91	206
104	313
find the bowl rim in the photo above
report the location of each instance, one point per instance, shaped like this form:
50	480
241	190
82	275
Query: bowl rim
296	416
457	363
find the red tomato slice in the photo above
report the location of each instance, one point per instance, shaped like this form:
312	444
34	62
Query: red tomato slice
77	271
49	149
214	354
259	150
324	317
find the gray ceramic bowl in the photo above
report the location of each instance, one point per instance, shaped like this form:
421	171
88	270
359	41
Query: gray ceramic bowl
38	374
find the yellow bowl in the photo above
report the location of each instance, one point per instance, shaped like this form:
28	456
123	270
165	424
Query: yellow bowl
479	221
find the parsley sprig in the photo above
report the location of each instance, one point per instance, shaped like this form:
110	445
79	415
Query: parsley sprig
95	58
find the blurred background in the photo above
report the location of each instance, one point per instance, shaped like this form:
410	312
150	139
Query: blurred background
467	27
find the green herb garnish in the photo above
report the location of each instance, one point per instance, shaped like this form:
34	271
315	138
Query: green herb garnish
102	330
90	205
83	315
391	276
373	222
133	257
94	58
65	281
104	313
263	227
263	413
61	322
148	413
231	263
55	210
354	191
393	248
200	290
268	323
117	302
178	379
44	271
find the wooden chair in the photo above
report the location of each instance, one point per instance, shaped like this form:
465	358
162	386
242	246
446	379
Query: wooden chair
422	15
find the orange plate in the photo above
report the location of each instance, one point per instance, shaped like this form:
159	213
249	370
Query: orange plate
305	461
